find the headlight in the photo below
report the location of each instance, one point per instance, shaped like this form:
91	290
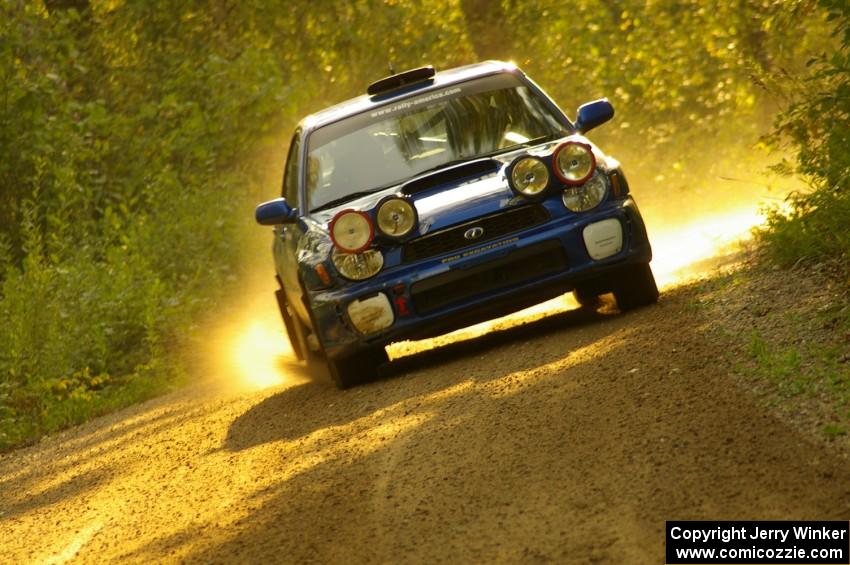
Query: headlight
574	162
586	196
352	231
529	176
396	217
358	266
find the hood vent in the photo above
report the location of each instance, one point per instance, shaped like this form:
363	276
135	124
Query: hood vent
475	169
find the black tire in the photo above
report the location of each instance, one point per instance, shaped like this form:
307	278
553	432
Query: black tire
635	287
356	368
347	371
586	297
295	330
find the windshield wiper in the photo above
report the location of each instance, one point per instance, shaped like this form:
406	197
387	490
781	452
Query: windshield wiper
535	141
346	198
542	139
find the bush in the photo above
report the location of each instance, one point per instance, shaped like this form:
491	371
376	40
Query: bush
816	126
815	230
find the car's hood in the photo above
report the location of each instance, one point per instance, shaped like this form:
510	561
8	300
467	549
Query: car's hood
444	203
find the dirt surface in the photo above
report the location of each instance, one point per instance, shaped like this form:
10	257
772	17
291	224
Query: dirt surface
790	343
569	439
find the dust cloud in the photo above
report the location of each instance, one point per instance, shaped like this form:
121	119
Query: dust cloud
246	348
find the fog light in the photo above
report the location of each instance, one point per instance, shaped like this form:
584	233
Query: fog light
370	315
603	239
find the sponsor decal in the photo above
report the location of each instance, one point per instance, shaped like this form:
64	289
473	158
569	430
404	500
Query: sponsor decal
407	104
477	250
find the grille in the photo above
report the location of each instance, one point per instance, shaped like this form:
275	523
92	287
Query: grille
494	226
522	266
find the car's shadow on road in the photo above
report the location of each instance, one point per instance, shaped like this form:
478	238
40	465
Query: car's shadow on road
581	428
282	416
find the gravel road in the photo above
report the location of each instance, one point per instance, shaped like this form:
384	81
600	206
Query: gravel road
568	439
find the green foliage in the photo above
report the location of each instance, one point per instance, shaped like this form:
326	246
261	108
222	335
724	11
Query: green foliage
816	127
814	230
809	369
834	430
782	367
680	75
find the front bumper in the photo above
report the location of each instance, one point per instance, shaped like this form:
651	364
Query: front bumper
439	295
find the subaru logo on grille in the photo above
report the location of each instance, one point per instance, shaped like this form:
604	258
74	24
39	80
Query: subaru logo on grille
473	233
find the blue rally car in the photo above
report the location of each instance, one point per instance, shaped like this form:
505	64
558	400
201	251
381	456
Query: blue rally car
439	200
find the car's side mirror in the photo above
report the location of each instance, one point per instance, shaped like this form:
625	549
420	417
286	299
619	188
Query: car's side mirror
593	114
275	212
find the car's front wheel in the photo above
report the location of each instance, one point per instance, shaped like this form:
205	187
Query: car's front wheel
586	297
295	330
356	368
635	287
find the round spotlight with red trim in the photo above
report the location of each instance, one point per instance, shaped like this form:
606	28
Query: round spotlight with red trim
352	231
574	162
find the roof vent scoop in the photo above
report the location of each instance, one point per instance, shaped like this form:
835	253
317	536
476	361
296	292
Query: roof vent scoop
399	80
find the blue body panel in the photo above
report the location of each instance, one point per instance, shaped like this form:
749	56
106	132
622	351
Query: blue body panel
339	337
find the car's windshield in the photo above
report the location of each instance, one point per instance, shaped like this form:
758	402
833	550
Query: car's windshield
392	143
